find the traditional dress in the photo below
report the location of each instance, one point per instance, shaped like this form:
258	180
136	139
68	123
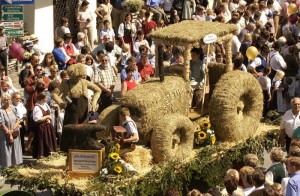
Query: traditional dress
10	154
44	135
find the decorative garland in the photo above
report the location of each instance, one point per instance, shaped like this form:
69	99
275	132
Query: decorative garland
210	165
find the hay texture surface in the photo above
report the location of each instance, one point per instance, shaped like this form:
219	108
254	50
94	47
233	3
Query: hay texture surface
140	158
236	106
215	71
108	117
155	99
191	31
56	161
172	138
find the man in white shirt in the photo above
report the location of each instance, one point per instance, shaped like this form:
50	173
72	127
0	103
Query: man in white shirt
290	121
275	60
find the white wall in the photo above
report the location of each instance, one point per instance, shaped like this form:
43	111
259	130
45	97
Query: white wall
39	20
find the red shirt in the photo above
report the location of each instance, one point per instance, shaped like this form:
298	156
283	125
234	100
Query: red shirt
147	26
145	71
130	85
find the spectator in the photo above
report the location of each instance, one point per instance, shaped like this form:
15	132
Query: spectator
276	171
54	74
246	176
275	60
105	78
199	14
107	30
260	62
47	63
85	18
3	48
289	122
231	185
251	160
148	24
80	41
293	168
258	181
145	69
103	13
10	141
117	51
44	135
155	7
59	53
60	31
194	192
265	83
129	83
127	31
136	75
70	49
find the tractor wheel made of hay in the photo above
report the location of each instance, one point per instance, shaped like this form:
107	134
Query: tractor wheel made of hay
109	117
236	106
172	137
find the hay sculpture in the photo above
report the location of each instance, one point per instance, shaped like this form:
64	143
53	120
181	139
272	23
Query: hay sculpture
181	34
155	99
140	158
172	138
174	70
108	117
216	70
236	106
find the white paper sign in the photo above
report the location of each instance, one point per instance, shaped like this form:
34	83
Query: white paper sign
83	162
210	38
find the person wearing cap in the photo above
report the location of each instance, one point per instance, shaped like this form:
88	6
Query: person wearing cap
3	77
28	46
35	40
3	48
275	60
70	49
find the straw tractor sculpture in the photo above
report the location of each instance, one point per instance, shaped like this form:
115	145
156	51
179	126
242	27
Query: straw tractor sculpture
160	106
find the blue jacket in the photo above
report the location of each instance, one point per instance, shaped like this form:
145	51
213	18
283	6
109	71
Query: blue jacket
59	57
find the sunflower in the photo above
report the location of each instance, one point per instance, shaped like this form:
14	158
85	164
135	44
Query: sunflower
114	156
118	146
118	169
202	135
213	140
205	124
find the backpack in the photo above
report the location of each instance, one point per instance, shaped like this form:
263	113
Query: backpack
22	78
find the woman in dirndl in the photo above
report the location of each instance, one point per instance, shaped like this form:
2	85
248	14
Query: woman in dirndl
127	31
44	136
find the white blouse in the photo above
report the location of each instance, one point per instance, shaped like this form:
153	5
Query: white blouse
37	112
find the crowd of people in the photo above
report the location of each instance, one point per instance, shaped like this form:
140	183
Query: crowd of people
126	48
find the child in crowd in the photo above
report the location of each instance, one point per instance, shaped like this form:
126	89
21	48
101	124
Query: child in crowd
276	171
265	83
247	182
251	160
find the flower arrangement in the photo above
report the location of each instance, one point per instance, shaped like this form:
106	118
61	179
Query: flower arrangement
133	5
113	164
27	55
205	136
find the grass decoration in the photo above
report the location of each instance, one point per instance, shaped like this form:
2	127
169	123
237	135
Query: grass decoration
209	164
236	106
273	118
191	32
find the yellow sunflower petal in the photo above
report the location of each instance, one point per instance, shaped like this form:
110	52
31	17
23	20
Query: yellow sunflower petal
114	156
118	169
202	135
213	140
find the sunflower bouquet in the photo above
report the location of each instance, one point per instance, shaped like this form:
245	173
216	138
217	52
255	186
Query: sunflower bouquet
206	135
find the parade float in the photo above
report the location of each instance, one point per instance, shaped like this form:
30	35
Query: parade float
179	147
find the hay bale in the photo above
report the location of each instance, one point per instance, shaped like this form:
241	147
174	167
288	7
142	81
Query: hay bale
236	106
174	70
215	71
140	158
191	31
172	138
155	99
55	160
82	136
108	117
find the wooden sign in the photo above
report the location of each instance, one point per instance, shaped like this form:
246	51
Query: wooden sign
85	163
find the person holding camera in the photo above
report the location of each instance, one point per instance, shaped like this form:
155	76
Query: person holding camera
85	18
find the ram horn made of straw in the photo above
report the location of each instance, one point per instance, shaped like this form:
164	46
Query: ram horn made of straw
236	106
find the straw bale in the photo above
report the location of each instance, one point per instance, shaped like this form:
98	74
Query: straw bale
140	158
109	117
55	160
174	70
155	99
236	106
191	31
215	71
81	183
172	138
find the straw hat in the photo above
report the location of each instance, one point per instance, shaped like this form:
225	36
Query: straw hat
33	38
